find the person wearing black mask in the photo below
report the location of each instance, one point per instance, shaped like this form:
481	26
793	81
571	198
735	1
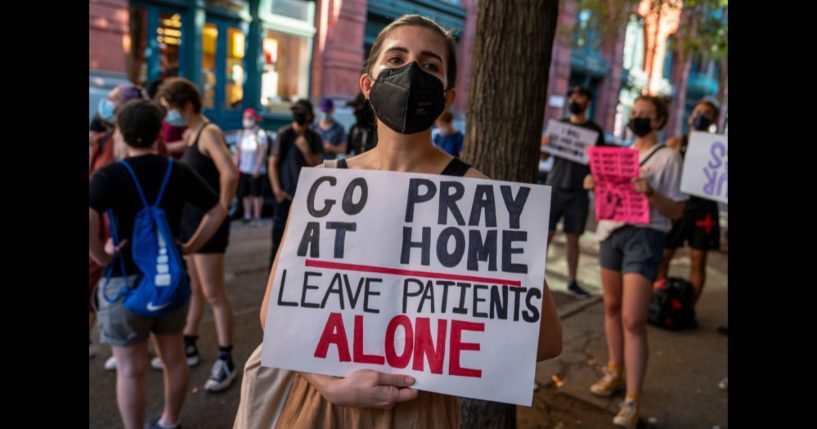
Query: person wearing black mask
409	79
568	198
699	226
362	135
284	164
629	255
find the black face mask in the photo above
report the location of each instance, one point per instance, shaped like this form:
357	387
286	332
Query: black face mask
640	126
407	99
701	123
576	108
299	117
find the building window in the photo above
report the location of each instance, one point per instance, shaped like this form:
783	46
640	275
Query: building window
208	65
287	52
583	37
235	68
295	9
286	69
155	52
634	44
234	5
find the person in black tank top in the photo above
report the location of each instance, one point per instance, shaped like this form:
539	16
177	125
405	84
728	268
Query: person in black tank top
415	47
207	154
699	227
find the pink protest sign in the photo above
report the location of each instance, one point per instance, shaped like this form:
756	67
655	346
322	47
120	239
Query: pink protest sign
613	170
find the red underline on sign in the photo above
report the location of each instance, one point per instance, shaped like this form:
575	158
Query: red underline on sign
383	270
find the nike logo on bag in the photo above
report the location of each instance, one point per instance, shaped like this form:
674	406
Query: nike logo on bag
152	307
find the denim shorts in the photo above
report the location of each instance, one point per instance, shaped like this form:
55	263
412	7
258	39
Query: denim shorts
631	249
119	326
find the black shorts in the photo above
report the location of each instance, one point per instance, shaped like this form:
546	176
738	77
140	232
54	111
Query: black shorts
699	226
191	217
249	186
573	206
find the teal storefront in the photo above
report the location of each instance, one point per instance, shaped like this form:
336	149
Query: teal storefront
241	54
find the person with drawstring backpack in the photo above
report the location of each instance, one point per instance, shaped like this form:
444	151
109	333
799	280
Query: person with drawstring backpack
144	196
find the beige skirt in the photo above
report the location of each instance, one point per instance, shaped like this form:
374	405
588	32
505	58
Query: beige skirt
282	399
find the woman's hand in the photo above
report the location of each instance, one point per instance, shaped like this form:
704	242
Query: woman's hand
642	186
111	250
365	388
281	195
589	183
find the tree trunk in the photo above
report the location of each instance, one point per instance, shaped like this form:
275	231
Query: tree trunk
681	98
505	115
478	414
509	87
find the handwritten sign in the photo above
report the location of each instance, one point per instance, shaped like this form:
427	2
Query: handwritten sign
613	170
706	172
437	277
569	141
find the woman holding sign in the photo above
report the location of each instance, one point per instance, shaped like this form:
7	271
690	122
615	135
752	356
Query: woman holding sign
412	61
700	224
630	254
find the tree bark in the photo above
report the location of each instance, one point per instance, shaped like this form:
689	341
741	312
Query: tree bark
509	84
505	115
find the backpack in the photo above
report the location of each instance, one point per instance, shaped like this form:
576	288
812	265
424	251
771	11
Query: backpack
164	286
672	305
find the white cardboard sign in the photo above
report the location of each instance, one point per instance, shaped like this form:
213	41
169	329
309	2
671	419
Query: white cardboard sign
706	172
437	277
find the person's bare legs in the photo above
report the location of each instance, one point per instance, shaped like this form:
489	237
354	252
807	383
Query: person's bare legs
572	256
257	203
210	269
697	271
176	376
247	201
131	366
91	322
611	282
196	308
636	301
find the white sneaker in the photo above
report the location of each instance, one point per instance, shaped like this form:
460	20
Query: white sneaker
110	364
627	416
192	361
221	377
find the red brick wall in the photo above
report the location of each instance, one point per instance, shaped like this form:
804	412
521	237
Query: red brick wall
108	38
560	59
338	48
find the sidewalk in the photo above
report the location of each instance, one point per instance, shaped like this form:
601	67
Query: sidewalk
684	368
681	385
